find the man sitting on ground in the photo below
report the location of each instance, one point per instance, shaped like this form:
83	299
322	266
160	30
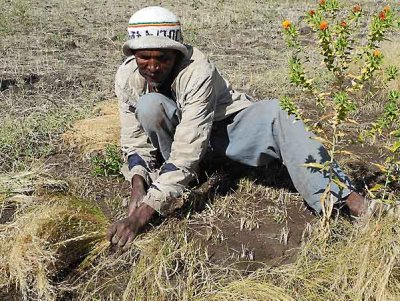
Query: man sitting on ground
174	105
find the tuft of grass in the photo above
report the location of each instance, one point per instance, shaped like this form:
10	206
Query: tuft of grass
47	235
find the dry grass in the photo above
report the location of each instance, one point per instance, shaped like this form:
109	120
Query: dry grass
28	182
60	73
93	134
44	236
166	264
358	262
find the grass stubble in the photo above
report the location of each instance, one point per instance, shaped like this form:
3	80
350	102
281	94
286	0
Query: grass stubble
52	243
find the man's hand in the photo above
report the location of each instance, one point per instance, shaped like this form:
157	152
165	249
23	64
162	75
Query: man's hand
124	231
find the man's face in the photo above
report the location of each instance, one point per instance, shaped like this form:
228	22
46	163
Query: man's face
156	65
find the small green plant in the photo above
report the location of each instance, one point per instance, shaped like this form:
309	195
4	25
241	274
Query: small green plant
387	122
288	105
107	163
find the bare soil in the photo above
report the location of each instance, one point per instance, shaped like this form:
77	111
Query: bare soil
263	245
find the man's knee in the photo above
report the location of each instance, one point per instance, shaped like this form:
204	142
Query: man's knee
149	109
264	110
272	107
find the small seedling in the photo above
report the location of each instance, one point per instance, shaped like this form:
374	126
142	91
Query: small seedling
107	163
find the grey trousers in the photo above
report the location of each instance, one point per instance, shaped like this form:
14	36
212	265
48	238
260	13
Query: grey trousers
254	136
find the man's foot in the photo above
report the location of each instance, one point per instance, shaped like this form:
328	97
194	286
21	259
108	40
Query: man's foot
359	205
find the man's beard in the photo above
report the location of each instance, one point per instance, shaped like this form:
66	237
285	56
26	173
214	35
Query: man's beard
155	85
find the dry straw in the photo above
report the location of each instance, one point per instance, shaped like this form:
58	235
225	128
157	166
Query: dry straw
44	236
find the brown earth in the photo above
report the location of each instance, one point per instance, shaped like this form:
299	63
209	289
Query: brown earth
266	244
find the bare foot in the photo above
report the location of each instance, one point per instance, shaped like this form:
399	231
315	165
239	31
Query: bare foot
358	205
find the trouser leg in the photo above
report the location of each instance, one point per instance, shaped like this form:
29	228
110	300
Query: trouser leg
158	115
263	132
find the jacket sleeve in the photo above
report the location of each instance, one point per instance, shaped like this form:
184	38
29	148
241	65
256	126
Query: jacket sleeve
139	154
190	143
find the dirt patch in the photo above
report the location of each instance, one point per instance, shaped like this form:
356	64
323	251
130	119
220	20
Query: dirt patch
7	214
270	243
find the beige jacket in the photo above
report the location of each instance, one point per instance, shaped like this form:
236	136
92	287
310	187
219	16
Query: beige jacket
202	96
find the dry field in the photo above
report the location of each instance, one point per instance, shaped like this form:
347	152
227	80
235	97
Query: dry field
244	234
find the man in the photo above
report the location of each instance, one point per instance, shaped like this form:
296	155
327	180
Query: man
174	105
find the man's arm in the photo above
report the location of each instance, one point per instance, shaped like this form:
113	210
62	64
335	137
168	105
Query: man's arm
189	145
139	154
139	157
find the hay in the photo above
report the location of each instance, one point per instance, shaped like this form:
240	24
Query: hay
43	240
94	134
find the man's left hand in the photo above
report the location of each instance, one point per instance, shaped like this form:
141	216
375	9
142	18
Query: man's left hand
124	231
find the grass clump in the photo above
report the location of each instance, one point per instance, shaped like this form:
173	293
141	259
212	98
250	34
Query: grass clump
44	240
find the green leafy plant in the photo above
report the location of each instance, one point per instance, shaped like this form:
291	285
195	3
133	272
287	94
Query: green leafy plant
107	163
352	70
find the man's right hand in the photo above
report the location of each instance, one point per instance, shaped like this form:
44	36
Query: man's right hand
122	232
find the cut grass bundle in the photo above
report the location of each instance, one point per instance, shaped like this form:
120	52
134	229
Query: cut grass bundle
44	241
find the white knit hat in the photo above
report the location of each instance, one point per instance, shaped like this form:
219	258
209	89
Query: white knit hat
154	27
